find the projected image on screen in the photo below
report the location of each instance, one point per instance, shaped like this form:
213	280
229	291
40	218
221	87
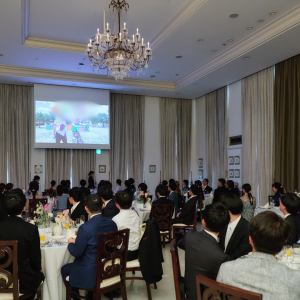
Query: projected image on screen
65	122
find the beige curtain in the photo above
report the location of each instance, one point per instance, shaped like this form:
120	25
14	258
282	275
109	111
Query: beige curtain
216	135
57	165
287	123
15	104
127	137
258	132
83	161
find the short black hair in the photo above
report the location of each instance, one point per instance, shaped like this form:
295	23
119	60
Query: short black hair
195	189
91	172
59	190
9	186
269	232
143	187
68	183
14	203
162	190
230	184
63	183
165	182
36	177
16	191
76	193
94	203
82	182
233	203
53	182
131	180
127	183
186	182
216	217
123	199
206	180
119	182
222	180
171	180
105	193
291	202
173	186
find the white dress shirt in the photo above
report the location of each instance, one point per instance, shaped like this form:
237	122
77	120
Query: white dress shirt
94	215
74	206
128	218
230	230
214	236
285	216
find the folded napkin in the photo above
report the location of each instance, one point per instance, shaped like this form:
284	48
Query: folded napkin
266	206
70	234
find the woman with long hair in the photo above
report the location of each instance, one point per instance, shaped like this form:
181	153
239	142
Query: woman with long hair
61	200
279	191
249	202
178	191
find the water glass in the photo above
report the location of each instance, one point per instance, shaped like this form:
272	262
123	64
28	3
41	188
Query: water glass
78	222
83	218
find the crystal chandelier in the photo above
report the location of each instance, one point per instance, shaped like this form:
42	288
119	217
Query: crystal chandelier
118	53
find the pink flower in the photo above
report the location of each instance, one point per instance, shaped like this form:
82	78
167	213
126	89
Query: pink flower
47	207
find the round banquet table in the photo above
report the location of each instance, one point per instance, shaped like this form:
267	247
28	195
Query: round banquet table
144	215
275	210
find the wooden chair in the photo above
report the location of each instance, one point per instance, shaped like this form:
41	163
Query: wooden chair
163	213
178	228
111	270
9	284
220	291
179	293
33	203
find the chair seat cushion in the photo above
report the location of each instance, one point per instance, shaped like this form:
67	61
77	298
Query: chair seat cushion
133	264
7	296
181	225
165	232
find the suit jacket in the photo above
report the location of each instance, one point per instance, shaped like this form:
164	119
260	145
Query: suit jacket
207	190
259	273
91	182
238	244
79	211
174	197
187	213
202	256
294	221
221	189
110	210
234	191
29	251
85	191
85	249
3	214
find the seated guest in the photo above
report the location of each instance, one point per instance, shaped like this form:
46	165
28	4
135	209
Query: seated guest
249	202
76	200
143	187
261	272
132	186
203	255
165	183
231	188
178	191
61	200
186	216
221	189
162	191
52	190
68	186
128	187
14	228
128	219
185	187
110	209
35	184
198	183
290	206
278	190
8	188
118	188
173	196
234	239
84	189
206	189
82	272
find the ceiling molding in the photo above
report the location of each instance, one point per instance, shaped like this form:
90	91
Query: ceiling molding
25	9
182	15
16	71
266	33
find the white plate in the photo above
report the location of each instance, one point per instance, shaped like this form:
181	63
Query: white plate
59	237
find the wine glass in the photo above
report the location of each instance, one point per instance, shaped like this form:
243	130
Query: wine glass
78	222
82	218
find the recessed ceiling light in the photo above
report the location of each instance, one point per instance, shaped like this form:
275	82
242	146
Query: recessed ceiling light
81	64
224	44
246	57
152	76
214	50
231	40
178	56
272	13
249	28
232	16
157	72
200	41
260	21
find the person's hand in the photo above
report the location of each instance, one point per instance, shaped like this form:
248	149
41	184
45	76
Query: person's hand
76	232
71	220
71	240
103	206
177	215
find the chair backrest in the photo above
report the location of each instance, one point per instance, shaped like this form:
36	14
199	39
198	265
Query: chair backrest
163	213
33	203
112	256
219	291
9	250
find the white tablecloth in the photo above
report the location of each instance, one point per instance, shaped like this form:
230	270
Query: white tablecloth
275	210
144	215
208	199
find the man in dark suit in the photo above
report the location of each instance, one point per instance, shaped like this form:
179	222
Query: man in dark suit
84	189
82	272
186	216
29	251
234	239
174	196
76	199
221	189
206	189
162	191
290	206
202	253
110	209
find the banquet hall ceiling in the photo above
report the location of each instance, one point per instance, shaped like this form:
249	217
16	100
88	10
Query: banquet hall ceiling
43	41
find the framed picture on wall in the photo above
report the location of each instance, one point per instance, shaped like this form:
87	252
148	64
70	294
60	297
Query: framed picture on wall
200	174
152	169
231	173
102	168
200	163
236	160
237	173
231	160
38	169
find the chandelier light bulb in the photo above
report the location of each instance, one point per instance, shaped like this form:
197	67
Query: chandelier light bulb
107	26
148	45
133	38
142	41
124	26
98	31
137	31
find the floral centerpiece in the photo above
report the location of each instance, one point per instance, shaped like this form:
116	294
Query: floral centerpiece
141	197
297	194
42	213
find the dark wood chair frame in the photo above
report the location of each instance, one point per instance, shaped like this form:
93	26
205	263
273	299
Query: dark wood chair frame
220	291
11	249
112	240
163	213
33	203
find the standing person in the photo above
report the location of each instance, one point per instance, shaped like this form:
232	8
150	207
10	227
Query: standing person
60	130
91	180
278	190
52	190
221	189
119	184
185	187
206	189
132	186
249	202
174	197
231	188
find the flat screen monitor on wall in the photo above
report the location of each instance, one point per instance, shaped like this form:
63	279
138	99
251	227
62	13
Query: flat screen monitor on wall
71	117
